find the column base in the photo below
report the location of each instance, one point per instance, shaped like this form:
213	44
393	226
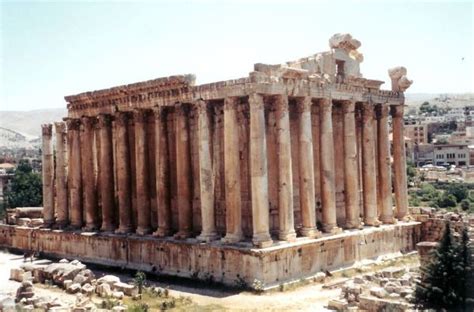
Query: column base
107	228
289	236
162	232
331	229
405	218
353	225
123	230
232	238
311	232
374	222
182	234
74	227
48	224
61	225
262	240
143	230
208	237
90	228
388	220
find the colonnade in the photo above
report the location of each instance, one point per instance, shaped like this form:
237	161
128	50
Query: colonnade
92	176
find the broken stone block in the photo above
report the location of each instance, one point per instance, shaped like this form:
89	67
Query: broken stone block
378	292
59	272
104	290
337	304
25	291
118	294
320	277
17	274
119	309
88	289
67	283
83	277
63	261
359	280
109	279
7	303
74	288
127	289
392	287
394	296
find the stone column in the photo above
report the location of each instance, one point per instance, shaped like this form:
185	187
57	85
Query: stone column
89	191
351	174
162	173
75	174
259	173
369	168
62	213
306	169
285	173
48	175
232	172
141	165
206	180
183	166
106	173
399	163
124	183
328	184
385	170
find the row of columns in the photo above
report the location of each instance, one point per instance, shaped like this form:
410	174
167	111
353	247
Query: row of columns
79	180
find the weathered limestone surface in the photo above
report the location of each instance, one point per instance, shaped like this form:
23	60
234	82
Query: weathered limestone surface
75	172
48	175
62	212
399	164
88	179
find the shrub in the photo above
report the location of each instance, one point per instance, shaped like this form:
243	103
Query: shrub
139	280
447	200
465	204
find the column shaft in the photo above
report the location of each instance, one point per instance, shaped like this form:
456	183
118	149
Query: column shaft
162	174
124	184
106	173
183	166
232	172
351	174
306	169
328	187
285	173
259	173
89	191
385	170
399	163
48	175
206	190
369	166
141	165
62	218
75	174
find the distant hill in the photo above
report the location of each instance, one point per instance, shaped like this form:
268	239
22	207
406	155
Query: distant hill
22	129
28	123
446	99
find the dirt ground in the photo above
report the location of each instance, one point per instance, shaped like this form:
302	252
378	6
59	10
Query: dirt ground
309	297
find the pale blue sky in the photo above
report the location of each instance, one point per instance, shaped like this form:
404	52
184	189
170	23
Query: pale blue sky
52	49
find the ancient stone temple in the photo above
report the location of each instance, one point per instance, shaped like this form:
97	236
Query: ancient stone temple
273	176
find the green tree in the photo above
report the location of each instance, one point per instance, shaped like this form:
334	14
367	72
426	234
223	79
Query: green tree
26	187
465	204
441	279
466	277
446	200
459	190
139	280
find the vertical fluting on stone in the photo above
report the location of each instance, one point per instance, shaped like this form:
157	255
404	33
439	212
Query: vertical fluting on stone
106	173
183	166
385	170
351	174
259	173
75	174
306	169
89	190
162	173
232	172
123	174
62	213
399	162
208	232
48	175
369	167
328	187
141	165
285	173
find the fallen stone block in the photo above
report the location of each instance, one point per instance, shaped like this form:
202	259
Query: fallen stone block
59	272
104	290
378	292
67	283
119	308
118	294
74	288
109	279
88	289
16	274
319	277
127	289
338	304
371	304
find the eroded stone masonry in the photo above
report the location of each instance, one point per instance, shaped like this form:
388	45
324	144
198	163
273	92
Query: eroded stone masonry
266	163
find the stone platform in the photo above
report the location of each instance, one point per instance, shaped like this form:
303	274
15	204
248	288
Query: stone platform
231	265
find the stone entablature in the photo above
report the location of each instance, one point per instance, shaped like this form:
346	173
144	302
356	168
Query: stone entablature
286	153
